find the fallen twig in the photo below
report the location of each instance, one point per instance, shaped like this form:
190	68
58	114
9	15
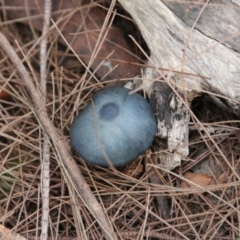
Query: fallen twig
45	164
66	162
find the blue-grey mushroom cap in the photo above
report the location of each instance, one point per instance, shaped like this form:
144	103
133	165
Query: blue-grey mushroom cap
115	126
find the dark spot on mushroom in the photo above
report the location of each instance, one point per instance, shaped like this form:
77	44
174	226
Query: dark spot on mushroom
109	111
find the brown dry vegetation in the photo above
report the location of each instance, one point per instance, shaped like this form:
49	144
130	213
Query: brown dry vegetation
136	206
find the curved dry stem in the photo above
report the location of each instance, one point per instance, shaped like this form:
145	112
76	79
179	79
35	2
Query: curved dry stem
67	164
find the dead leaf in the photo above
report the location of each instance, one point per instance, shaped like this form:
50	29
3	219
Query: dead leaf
197	178
81	26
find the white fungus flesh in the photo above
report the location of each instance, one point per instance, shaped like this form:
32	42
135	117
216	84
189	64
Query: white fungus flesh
115	126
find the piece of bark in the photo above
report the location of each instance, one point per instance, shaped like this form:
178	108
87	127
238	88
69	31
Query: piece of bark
191	63
172	117
86	22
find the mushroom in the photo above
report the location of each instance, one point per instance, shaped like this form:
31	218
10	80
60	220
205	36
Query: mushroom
114	128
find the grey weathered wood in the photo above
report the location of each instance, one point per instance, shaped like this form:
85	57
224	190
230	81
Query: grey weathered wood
219	20
190	59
